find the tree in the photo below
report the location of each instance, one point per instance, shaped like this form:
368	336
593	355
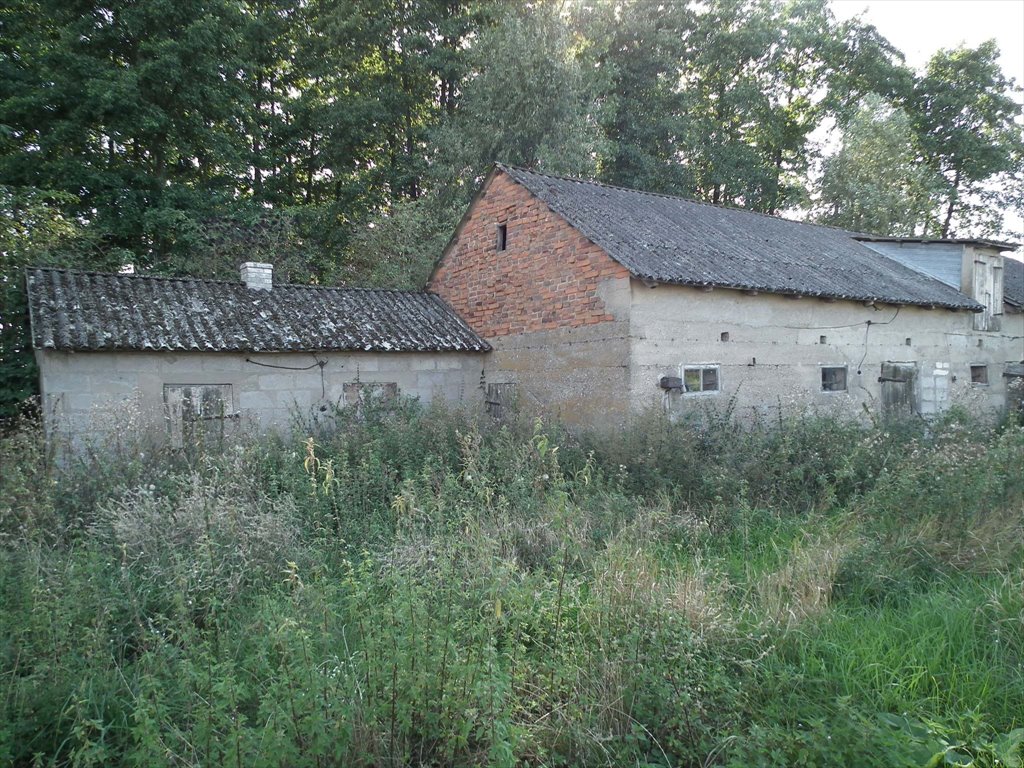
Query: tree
759	78
133	108
33	231
524	103
631	54
967	126
876	182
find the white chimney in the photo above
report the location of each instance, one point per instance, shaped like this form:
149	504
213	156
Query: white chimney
258	277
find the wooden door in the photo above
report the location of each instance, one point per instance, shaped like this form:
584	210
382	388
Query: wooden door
899	390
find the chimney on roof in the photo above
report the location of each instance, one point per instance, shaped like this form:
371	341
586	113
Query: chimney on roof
257	276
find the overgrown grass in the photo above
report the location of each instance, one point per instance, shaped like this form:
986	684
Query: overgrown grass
413	586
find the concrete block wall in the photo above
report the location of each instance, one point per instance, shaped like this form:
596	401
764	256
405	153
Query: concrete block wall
777	346
553	305
94	392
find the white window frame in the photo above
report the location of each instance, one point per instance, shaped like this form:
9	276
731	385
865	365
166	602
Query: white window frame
821	378
716	367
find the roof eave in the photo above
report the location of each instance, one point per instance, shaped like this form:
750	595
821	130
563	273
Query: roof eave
1001	245
973	306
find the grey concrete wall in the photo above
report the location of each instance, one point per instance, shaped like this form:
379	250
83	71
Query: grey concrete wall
777	346
95	392
579	376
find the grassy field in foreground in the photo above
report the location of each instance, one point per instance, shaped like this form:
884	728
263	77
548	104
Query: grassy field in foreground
414	587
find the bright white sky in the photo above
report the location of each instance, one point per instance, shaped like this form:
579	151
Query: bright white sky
921	27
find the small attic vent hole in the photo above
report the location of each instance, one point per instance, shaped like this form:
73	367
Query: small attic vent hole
823	339
502	240
725	336
907	341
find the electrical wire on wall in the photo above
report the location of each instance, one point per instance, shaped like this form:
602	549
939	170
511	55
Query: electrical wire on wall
319	362
867	331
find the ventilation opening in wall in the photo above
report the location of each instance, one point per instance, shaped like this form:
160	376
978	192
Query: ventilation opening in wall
907	341
979	374
823	339
725	336
502	237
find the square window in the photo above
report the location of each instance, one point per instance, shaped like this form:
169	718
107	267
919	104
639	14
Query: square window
360	394
979	374
833	378
700	378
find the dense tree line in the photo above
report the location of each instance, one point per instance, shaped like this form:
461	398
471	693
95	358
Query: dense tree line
341	139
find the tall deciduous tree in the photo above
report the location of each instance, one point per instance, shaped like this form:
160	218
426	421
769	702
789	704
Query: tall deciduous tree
968	128
524	103
877	182
134	108
631	54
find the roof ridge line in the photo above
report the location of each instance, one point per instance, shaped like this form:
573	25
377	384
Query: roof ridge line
223	281
717	206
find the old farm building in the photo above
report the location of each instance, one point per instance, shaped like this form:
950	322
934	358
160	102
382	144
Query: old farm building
587	301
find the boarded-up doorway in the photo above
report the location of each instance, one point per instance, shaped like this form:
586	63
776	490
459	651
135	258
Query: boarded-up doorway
899	390
196	414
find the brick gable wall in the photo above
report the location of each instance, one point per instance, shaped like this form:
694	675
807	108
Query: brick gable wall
547	278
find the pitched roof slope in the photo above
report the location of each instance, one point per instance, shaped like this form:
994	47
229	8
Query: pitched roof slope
672	240
73	310
1013	282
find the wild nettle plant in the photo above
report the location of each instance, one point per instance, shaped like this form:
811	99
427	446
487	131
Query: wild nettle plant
422	586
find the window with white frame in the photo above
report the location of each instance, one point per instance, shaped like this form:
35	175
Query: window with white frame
701	378
833	378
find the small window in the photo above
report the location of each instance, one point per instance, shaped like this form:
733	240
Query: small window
908	341
502	237
724	336
833	378
700	378
823	339
979	374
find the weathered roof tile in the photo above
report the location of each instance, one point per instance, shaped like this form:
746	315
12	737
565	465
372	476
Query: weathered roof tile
75	310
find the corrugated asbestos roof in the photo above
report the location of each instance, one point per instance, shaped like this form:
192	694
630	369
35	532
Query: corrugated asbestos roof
672	240
74	310
1013	282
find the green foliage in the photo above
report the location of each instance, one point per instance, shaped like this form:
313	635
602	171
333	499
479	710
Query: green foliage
876	182
524	103
966	122
34	231
414	586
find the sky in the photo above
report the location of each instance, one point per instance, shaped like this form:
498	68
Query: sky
921	27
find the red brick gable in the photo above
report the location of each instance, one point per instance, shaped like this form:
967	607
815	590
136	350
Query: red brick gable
546	278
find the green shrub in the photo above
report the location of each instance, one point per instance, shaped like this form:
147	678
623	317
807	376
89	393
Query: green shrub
410	585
